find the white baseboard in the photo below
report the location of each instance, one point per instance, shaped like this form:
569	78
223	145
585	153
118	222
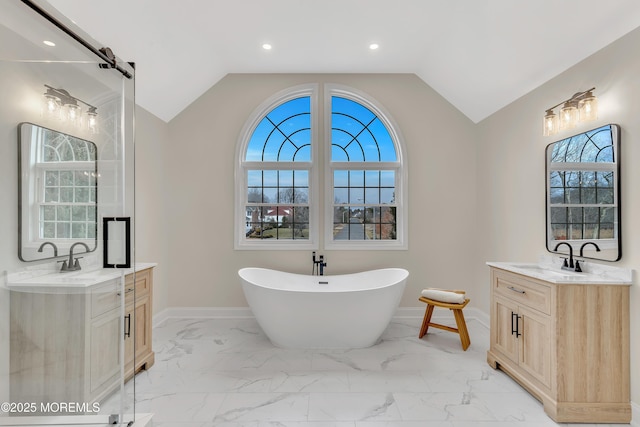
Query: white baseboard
201	313
635	414
245	313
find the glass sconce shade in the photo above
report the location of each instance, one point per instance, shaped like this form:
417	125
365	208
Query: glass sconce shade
73	114
51	107
588	107
92	121
550	123
568	116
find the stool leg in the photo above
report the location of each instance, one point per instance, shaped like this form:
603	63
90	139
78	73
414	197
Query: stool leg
427	319
462	329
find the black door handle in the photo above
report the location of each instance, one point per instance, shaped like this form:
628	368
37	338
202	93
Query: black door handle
127	322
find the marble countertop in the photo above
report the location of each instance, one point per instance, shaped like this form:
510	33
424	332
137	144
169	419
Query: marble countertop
593	273
76	281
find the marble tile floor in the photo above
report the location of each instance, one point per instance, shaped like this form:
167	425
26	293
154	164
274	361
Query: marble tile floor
225	372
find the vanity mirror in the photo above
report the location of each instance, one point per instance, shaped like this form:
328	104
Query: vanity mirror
583	194
57	192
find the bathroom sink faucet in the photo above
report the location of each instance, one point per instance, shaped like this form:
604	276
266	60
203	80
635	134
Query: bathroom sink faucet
73	264
578	268
318	265
570	265
55	248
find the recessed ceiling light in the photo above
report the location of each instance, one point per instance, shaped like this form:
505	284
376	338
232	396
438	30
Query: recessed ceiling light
49	43
374	46
267	46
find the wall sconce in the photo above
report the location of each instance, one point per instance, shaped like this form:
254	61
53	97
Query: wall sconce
581	107
61	105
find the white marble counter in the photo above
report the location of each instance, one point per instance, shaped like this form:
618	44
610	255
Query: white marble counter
45	280
548	270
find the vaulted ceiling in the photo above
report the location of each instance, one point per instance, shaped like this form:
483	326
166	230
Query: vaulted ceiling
480	55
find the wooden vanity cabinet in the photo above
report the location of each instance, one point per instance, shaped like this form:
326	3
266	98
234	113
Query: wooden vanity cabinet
567	344
65	346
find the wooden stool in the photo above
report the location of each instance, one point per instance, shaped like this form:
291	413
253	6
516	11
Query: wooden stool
457	313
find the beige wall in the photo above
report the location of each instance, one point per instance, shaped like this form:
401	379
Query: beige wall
151	245
440	144
511	202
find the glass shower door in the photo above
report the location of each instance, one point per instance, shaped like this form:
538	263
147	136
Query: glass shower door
66	162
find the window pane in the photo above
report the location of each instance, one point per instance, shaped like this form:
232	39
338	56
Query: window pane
387	178
387	195
356	195
51	194
79	213
301	178
283	134
277	222
372	195
356	178
286	178
605	196
341	178
78	230
341	195
64	213
358	134
66	195
372	178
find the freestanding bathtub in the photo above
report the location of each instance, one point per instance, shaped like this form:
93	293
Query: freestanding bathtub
341	311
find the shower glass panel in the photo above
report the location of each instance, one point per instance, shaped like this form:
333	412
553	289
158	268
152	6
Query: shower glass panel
65	337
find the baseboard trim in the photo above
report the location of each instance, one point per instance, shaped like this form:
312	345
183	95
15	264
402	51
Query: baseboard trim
245	313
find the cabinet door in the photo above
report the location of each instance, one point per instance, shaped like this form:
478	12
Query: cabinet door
106	335
142	329
129	340
535	345
504	312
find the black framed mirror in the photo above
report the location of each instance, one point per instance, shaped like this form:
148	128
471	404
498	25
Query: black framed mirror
583	194
57	198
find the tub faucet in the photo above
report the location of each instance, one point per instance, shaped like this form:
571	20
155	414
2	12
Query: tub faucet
570	265
318	265
73	264
55	248
578	268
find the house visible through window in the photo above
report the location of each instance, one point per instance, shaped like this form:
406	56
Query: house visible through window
358	157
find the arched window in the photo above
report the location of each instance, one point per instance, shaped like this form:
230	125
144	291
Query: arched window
365	178
277	204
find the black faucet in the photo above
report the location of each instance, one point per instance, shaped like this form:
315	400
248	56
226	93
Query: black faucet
566	266
578	268
589	243
318	264
71	264
55	248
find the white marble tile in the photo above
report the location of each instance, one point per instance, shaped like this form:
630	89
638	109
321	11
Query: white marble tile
310	381
382	381
226	373
180	407
263	407
352	406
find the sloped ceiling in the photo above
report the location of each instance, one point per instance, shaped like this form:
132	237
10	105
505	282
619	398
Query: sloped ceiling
478	54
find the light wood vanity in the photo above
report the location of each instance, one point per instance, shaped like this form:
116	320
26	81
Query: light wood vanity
566	343
66	343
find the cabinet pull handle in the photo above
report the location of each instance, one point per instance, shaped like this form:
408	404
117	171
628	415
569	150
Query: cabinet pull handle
129	290
515	290
127	322
513	325
518	326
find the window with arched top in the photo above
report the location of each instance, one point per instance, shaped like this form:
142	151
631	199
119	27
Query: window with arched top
279	171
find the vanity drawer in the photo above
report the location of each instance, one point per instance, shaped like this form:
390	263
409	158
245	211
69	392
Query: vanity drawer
525	292
142	285
105	297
